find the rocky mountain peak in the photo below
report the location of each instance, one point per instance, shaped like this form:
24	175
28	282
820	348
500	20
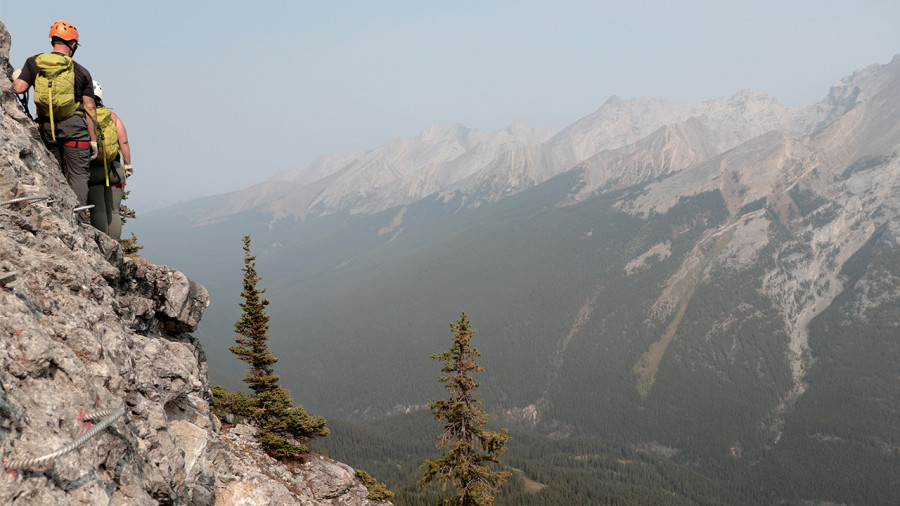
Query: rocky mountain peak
861	85
93	337
441	132
614	101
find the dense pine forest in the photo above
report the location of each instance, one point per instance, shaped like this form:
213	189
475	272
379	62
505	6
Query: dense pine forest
545	471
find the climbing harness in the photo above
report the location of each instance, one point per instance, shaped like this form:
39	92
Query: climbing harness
32	463
77	144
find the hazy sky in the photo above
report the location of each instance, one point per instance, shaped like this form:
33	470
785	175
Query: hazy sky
220	95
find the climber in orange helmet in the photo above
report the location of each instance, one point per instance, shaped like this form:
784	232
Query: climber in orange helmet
64	99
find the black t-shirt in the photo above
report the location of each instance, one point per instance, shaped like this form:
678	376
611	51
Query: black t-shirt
84	83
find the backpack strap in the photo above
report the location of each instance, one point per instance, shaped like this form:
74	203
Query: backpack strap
124	176
100	145
52	126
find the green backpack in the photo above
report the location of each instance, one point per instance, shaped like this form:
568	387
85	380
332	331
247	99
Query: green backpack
54	88
107	136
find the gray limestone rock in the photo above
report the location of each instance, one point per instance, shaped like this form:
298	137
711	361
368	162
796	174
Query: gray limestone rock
82	328
247	475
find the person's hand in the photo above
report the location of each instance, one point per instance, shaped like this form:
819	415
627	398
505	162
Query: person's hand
128	170
16	74
93	150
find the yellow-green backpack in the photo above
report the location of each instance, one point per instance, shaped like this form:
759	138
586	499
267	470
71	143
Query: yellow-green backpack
108	137
54	88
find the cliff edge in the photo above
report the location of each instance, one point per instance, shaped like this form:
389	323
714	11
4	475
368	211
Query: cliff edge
104	394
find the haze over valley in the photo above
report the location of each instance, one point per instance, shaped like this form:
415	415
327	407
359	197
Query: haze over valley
715	285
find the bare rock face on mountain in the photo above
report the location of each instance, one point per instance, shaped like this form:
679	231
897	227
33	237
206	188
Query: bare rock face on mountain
628	142
97	345
832	190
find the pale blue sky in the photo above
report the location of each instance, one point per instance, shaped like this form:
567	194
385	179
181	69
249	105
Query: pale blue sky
220	95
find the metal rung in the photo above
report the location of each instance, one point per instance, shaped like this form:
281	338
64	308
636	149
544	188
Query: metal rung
9	277
83	208
39	462
31	199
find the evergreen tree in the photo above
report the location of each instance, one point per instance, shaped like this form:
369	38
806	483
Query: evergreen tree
235	403
473	451
281	427
253	330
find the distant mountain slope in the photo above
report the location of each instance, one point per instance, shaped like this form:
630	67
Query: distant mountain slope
701	280
399	172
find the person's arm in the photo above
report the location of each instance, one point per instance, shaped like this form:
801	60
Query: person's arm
20	86
90	115
25	79
123	139
85	84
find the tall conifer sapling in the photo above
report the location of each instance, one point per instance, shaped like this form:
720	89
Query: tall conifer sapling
253	330
473	451
281	427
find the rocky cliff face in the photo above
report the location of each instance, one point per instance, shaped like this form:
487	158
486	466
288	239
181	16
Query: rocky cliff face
92	337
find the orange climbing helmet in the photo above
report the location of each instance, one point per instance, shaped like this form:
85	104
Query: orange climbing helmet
64	31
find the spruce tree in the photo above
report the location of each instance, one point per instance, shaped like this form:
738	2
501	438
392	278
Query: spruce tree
253	330
473	451
281	427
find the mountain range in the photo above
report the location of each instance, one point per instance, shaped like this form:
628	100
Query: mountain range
716	283
449	158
